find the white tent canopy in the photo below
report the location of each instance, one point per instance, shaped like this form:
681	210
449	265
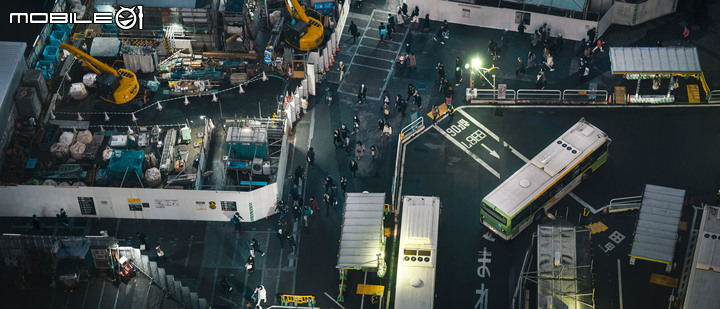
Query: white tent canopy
657	225
362	228
654	60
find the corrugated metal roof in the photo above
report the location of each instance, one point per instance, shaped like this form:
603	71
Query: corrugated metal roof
652	60
12	56
361	236
657	226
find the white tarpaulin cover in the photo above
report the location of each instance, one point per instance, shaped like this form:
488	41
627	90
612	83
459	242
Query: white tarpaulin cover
657	225
654	60
105	47
362	228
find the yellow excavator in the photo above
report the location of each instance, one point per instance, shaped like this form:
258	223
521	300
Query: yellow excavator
115	86
310	30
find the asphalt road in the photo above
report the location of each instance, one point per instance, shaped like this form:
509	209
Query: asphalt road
662	146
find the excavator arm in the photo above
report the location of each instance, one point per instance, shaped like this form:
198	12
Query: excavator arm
125	87
315	30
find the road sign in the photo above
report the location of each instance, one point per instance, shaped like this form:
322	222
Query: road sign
502	88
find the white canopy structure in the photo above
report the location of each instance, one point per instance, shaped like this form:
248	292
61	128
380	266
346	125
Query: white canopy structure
361	239
654	60
657	226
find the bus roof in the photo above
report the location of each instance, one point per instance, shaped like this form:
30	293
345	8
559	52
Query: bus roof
544	169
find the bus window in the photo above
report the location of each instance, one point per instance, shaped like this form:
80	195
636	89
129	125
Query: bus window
494	214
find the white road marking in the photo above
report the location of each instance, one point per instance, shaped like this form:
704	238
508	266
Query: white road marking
516	153
477	123
492	152
472	155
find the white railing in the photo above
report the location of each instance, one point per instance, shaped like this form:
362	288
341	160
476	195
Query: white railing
714	96
539	95
489	95
584	96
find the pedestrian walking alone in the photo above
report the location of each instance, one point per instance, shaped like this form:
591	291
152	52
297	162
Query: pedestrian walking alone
261	294
225	285
348	146
143	240
62	217
235	220
160	252
328	183
390	26
291	241
353	167
337	140
343	132
329	200
520	67
435	113
413	63
386	110
250	264
36	223
381	125
354	31
417	99
373	151
362	93
311	157
255	246
685	35
359	150
307	213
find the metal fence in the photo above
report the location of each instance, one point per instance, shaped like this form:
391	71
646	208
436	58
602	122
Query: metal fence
547	95
584	96
489	95
714	96
569	96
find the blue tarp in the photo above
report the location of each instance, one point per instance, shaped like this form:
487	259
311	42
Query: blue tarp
126	160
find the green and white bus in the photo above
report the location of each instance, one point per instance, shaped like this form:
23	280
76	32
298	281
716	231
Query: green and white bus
546	179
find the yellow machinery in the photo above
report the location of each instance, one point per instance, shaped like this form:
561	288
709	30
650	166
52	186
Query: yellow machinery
115	86
311	30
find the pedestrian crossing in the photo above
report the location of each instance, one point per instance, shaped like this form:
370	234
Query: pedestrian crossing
372	61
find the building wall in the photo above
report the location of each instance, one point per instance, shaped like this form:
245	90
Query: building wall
13	67
46	201
498	18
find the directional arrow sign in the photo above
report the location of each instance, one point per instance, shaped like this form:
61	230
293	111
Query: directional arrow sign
492	152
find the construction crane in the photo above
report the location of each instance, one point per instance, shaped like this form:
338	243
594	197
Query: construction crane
310	30
115	86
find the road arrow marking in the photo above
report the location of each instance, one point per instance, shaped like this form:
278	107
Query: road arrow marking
463	148
492	152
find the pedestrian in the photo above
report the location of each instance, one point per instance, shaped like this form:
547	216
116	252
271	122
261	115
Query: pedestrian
520	67
381	125
328	183
255	246
386	97
314	205
328	200
143	240
62	217
334	190
656	82
410	91
413	63
348	146
591	34
492	49
337	140
386	110
311	157
359	150
354	31
382	31
159	251
451	113
307	213
540	82
536	37
299	171
403	107
36	223
373	151
343	183
458	71
343	132
426	23
549	62
297	212
291	241
362	93
598	45
531	60
248	305
415	14
521	27
390	26
225	284
387	130
236	221
435	113
295	194
448	96
353	167
685	35
417	99
260	294
440	72
356	124
250	264
281	230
